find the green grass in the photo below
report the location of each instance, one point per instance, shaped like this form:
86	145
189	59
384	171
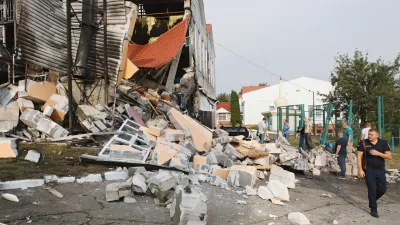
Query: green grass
59	160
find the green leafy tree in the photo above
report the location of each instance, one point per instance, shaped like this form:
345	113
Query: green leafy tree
358	79
224	97
235	110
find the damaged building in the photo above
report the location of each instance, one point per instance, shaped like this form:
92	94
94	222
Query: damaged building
173	48
165	46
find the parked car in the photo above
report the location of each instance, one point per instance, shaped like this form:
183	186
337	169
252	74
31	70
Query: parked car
236	131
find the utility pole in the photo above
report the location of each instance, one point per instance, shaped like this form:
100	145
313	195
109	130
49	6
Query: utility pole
313	110
69	66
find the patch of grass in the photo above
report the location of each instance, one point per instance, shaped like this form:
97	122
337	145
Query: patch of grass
58	160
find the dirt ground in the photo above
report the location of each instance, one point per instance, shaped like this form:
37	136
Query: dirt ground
85	204
59	159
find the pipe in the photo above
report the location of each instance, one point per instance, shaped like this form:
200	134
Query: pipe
105	52
69	66
85	42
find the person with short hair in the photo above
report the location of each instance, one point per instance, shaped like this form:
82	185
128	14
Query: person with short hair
286	129
364	132
349	137
262	129
373	169
341	144
307	133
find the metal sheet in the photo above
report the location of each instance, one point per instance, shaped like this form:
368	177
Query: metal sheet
42	34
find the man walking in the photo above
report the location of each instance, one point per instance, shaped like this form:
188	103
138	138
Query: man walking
286	129
262	129
364	132
341	155
349	137
307	133
373	151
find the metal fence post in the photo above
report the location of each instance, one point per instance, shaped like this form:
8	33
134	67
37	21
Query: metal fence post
392	144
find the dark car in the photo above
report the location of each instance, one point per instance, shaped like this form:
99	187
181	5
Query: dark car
236	131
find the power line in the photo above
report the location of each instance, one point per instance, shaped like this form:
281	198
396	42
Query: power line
258	66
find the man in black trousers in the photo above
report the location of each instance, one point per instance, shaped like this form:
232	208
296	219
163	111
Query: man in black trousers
373	151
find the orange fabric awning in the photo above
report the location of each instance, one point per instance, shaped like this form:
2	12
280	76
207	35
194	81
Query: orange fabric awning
162	51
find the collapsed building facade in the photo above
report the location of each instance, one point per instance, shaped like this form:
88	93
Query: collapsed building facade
159	45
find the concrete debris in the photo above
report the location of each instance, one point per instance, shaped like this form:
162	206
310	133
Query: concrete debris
241	202
64	180
51	128
174	135
251	191
326	195
91	178
10	197
21	184
31	117
162	124
260	175
163	181
217	181
55	193
277	202
221	140
33	156
272	216
286	177
298	218
279	190
60	107
242	176
8	148
129	200
139	183
155	131
335	222
188	206
265	193
115	191
116	175
393	176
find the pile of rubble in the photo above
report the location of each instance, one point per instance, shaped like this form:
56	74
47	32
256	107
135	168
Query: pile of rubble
393	176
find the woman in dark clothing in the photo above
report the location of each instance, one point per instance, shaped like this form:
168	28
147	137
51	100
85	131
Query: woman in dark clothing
302	136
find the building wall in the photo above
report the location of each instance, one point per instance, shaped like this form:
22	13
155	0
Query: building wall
256	102
226	121
202	49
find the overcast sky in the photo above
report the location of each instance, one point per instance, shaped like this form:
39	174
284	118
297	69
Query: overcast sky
296	38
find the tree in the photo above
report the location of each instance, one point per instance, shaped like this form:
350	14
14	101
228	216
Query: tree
236	119
356	78
263	84
223	97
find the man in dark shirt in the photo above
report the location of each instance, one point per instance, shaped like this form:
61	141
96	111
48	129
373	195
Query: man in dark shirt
341	144
376	151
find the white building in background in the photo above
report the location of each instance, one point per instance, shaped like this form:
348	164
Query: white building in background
296	91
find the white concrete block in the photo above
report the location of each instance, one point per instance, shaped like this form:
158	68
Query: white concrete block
64	180
91	178
265	193
116	175
21	184
50	178
298	218
139	183
286	177
250	191
279	190
33	156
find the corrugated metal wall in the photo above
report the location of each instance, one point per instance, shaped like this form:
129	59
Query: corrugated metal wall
42	37
41	33
116	18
